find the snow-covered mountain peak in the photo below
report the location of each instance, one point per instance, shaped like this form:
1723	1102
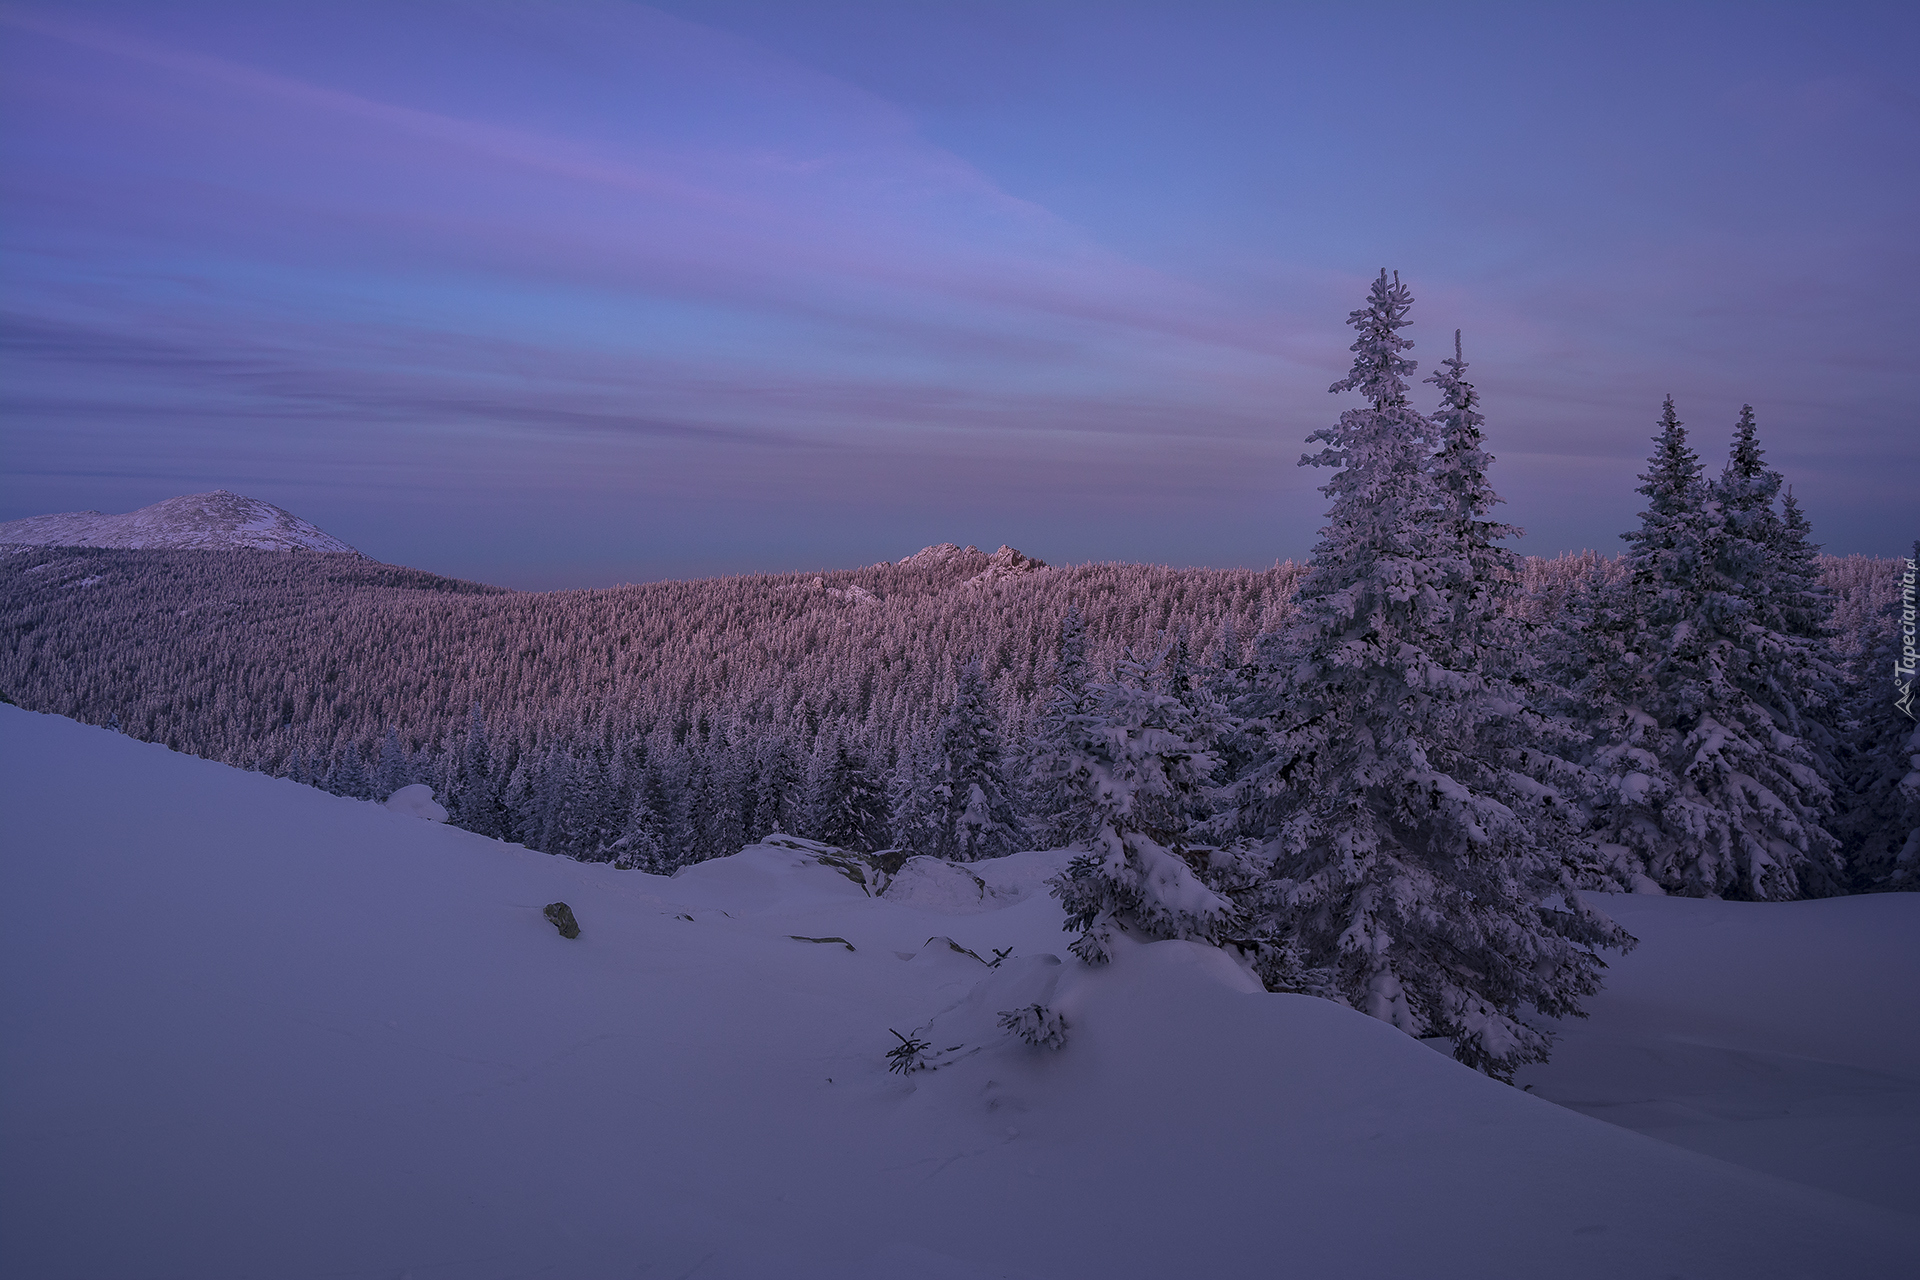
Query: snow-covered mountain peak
217	521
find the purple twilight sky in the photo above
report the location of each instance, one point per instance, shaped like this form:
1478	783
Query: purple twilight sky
564	294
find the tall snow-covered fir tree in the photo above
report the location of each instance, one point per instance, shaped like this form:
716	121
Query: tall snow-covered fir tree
478	804
1420	867
1136	773
910	793
645	843
348	776
1059	751
1800	606
1524	724
850	809
395	767
1481	574
1708	776
780	794
724	815
974	815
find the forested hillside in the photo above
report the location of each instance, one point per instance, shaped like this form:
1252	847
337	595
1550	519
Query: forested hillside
310	664
241	656
362	676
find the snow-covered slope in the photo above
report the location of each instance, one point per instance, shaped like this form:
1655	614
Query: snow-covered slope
1784	1036
217	521
251	1029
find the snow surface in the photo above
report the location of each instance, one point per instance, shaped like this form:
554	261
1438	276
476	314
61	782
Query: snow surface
252	1029
217	521
1781	1036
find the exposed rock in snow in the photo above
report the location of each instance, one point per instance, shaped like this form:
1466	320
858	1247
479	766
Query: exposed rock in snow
938	553
561	916
1006	563
217	521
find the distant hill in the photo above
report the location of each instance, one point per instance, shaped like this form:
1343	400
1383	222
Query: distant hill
230	653
217	521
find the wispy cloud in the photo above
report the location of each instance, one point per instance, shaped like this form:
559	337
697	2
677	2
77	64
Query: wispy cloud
602	242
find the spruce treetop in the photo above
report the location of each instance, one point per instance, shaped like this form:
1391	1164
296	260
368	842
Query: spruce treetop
1673	472
1481	568
1747	488
1667	547
1462	463
1379	372
1747	459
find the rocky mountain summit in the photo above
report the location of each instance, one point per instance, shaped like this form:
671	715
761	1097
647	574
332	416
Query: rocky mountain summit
1007	562
217	521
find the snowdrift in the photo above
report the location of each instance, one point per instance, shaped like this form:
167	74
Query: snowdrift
252	1029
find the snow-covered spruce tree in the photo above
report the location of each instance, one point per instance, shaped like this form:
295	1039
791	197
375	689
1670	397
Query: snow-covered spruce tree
1631	782
1227	677
850	810
642	844
395	768
725	813
348	777
910	794
1059	753
478	807
585	818
1881	824
1141	772
780	793
973	810
1482	575
556	802
1810	676
1705	775
693	801
1416	869
520	798
645	843
1801	604
1525	726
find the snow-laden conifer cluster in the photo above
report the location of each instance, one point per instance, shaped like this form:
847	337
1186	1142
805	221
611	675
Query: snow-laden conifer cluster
1708	687
1396	803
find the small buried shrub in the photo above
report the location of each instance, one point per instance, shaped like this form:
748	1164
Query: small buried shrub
904	1058
562	916
1037	1025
